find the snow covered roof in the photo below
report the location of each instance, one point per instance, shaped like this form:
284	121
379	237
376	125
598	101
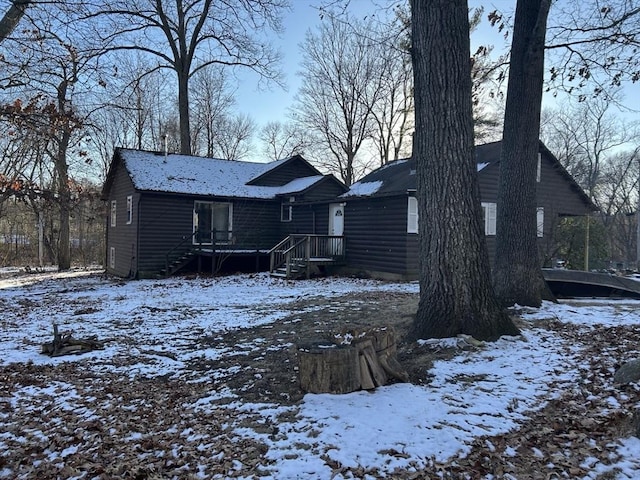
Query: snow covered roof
399	177
363	189
186	174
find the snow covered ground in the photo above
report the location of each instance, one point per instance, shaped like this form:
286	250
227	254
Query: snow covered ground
481	392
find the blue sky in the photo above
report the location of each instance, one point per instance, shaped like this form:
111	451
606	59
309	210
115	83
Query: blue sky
272	103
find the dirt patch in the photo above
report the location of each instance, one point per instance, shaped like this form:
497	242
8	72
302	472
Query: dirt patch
264	358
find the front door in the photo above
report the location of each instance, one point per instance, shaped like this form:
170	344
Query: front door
336	227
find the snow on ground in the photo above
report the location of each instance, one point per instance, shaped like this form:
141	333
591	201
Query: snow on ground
402	426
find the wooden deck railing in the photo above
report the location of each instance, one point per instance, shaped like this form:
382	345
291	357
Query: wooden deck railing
304	250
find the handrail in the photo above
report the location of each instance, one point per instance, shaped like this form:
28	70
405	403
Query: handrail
185	238
174	248
321	246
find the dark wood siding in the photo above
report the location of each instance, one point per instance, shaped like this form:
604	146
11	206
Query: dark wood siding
376	235
256	224
555	193
555	190
123	237
324	191
307	219
165	220
283	174
488	180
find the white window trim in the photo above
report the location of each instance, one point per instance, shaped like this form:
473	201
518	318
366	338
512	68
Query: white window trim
112	257
539	168
412	215
489	216
540	221
288	208
229	238
113	213
129	209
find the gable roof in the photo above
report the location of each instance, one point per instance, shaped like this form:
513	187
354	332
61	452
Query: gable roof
399	177
191	175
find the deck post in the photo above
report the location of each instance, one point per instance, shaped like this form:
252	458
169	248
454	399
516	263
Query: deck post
288	264
307	255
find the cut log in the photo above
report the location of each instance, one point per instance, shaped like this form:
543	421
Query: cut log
370	367
393	368
358	360
329	368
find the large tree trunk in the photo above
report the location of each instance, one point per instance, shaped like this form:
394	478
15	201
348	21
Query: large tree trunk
183	111
12	17
62	173
517	275
64	202
456	295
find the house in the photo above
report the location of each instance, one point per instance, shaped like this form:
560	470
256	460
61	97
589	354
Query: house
169	211
381	214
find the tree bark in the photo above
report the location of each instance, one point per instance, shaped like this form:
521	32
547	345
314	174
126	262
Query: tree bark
64	202
517	274
63	138
456	295
183	111
10	20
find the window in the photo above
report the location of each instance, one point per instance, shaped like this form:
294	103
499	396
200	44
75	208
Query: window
489	215
540	220
113	213
129	209
112	257
212	223
539	169
412	215
286	212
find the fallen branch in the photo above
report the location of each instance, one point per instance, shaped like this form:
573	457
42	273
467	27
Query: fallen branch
67	345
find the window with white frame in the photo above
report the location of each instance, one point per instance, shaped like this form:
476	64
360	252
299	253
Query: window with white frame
539	168
540	221
212	223
412	215
113	213
129	209
489	215
286	212
112	257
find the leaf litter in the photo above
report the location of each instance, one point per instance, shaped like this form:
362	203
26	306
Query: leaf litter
199	380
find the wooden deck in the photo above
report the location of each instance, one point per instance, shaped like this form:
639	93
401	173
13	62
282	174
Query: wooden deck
296	255
577	283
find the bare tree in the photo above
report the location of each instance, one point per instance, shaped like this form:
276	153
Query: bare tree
393	112
233	139
597	148
455	285
593	44
283	140
598	43
60	58
341	85
213	100
12	17
187	36
517	275
584	134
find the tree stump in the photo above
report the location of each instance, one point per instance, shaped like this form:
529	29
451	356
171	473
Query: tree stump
358	360
329	368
